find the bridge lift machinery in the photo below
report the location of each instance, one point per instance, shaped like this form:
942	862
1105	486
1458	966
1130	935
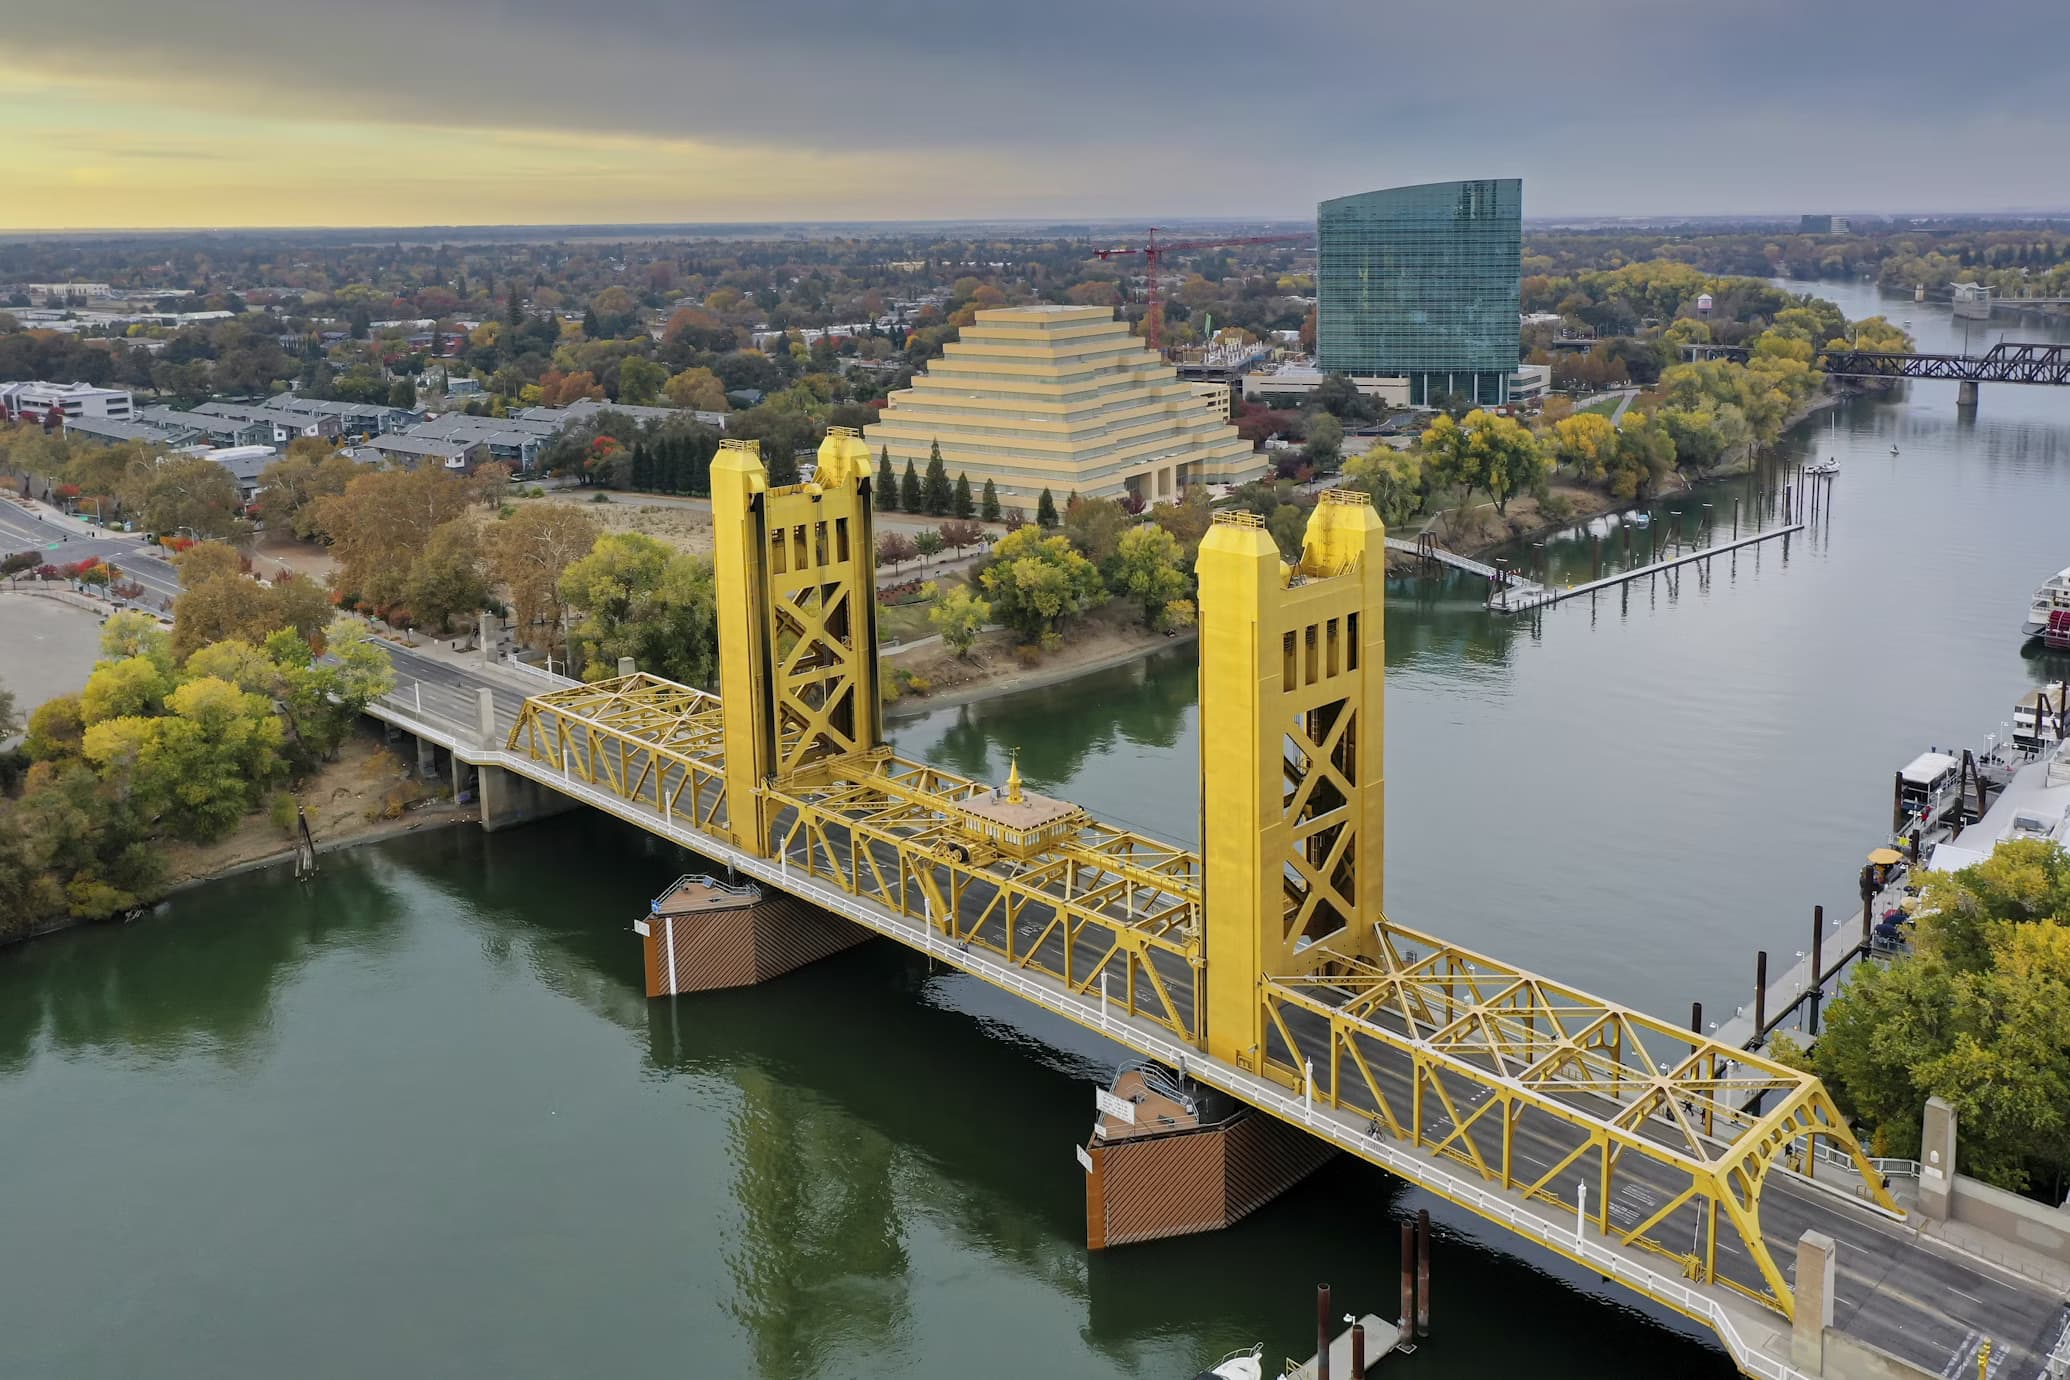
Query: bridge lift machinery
1294	973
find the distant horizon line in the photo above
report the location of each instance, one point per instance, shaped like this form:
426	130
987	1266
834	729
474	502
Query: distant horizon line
1634	219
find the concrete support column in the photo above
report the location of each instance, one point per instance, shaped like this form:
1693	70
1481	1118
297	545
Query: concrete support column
485	716
1966	393
626	667
488	640
1815	1257
1937	1160
427	759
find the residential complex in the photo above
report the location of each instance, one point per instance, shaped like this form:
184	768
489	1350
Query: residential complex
1421	283
1064	399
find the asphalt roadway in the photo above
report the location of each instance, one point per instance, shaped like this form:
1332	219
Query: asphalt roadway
61	540
1912	1297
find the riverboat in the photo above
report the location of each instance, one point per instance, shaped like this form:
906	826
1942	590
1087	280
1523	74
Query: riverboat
1829	465
2048	612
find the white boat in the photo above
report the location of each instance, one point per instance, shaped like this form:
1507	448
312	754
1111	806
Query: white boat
1238	1365
1829	465
1893	450
1641	518
2050	601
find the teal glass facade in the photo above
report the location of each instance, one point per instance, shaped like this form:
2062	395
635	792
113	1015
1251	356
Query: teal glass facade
1422	282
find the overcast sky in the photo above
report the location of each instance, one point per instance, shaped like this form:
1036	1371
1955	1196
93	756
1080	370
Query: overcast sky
408	112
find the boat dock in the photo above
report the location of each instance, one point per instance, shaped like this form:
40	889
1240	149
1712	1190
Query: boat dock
1375	1340
1511	593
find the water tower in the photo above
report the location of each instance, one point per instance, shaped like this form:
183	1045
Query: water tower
1703	305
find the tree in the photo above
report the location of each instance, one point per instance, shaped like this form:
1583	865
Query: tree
988	506
1588	442
1036	581
237	606
1325	440
928	543
526	556
935	492
1645	456
1046	511
445	579
958	616
402	393
1499	455
133	687
56	728
1095	526
961	504
290	487
1150	568
640	381
695	388
958	533
642	599
380	523
1974	1016
206	561
1187	521
10	719
883	488
909	497
172	492
129	633
1393	479
895	549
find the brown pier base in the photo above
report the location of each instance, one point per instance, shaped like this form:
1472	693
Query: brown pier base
703	935
1166	1174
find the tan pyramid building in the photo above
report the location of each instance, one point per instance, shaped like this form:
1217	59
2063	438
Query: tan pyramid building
1064	399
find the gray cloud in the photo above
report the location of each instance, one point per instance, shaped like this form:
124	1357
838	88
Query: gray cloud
1220	106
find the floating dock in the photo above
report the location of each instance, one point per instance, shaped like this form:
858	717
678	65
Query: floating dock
1511	593
1380	1341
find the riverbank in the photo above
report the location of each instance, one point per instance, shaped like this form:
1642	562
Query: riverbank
1479	531
1111	636
366	795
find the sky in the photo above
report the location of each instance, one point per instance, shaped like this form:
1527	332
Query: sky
479	112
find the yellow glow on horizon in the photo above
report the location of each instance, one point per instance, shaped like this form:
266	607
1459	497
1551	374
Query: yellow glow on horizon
127	161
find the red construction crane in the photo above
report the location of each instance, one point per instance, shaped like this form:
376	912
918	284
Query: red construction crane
1153	253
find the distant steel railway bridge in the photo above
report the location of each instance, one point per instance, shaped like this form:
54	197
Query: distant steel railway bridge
2005	362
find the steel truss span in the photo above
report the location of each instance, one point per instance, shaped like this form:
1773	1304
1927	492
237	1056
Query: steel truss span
1663	1138
1537	1087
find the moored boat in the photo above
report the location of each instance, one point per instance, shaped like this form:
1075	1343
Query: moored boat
2048	612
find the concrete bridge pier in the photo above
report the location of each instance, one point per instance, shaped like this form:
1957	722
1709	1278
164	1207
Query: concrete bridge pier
1966	393
504	798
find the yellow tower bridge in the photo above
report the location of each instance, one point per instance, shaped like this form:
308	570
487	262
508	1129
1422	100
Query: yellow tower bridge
1264	964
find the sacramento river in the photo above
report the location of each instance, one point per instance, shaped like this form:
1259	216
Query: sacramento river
418	1119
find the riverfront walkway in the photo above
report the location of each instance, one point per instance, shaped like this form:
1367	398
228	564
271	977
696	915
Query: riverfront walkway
1897	1289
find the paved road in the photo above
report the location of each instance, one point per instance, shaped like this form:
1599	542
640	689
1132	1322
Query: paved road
60	540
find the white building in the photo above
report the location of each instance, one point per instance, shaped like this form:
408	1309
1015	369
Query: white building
71	400
68	289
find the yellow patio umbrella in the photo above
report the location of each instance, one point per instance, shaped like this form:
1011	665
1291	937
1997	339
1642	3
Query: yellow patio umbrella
1886	856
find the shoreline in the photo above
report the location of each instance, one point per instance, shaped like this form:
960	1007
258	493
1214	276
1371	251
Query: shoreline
1036	679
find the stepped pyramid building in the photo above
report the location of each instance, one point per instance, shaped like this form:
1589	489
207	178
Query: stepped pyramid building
1064	399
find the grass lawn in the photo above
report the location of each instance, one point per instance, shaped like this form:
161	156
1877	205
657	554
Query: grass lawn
1603	406
904	622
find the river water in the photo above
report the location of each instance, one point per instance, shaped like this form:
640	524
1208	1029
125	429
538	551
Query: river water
418	1119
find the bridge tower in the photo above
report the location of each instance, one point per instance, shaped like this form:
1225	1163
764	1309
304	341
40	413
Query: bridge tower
794	568
1291	678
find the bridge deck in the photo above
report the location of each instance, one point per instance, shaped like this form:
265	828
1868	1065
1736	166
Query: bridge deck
1896	1289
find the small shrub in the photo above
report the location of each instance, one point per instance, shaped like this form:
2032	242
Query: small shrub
1556	507
1052	642
890	691
506	511
1028	654
281	811
600	498
918	685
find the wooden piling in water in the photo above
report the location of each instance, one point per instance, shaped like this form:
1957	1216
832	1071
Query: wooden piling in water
1322	1332
1818	970
1409	1280
1760	993
1423	1272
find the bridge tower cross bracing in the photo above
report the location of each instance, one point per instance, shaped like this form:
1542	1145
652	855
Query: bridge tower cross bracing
794	575
1291	695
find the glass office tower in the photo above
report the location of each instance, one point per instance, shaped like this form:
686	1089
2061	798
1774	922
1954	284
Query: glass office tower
1421	282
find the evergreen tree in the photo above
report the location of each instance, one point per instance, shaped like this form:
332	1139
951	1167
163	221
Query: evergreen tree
883	486
1046	511
783	467
514	313
988	507
909	489
643	468
590	329
936	493
962	505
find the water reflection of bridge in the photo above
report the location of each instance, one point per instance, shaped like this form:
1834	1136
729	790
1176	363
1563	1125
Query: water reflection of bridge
1653	1156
